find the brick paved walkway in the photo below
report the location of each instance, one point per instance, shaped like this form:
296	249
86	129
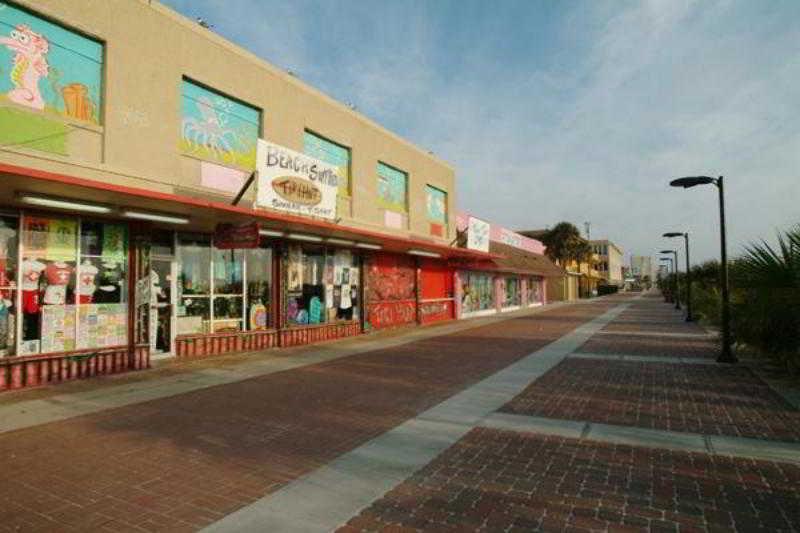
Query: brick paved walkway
652	345
505	481
182	462
706	399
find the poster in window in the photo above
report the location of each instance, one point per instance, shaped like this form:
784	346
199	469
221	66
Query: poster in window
114	242
58	328
314	311
35	236
295	268
61	239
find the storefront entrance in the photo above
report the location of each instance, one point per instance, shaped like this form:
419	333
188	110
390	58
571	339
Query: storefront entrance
162	305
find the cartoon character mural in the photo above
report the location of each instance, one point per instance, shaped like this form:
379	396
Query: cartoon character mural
47	72
218	128
30	64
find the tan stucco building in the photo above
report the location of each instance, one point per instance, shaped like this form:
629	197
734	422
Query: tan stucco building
610	261
133	223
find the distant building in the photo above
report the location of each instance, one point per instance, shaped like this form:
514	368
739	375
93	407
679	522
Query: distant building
642	266
610	258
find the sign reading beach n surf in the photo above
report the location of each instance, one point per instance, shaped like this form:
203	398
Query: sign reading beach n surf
294	182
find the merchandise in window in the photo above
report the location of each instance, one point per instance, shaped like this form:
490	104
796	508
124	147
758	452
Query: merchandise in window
322	285
513	295
221	290
259	282
194	284
9	231
477	292
74	294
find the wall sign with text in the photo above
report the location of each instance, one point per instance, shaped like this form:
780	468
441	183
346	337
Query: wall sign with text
294	182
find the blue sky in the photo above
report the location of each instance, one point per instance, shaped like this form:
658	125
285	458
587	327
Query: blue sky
566	110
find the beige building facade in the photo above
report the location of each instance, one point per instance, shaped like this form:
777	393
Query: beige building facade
610	261
164	192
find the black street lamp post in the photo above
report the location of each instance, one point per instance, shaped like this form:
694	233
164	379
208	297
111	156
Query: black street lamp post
677	285
689	316
726	356
670	269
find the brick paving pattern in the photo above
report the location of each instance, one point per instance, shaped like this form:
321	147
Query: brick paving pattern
183	462
495	480
707	399
647	345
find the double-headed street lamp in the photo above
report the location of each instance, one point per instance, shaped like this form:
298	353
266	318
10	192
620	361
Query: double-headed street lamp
726	356
689	317
675	270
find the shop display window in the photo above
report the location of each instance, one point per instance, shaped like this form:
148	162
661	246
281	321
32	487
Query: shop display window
221	290
322	285
74	291
259	284
534	291
9	233
512	292
477	292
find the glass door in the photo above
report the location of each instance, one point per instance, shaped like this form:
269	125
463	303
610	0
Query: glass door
162	305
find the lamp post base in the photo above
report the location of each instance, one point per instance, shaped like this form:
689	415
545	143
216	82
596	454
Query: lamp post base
726	356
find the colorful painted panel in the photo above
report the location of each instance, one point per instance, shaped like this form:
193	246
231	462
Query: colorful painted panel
392	188
218	128
333	154
45	68
436	202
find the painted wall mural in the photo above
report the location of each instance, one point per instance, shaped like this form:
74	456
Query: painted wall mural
390	291
436	203
218	128
48	69
333	154
392	188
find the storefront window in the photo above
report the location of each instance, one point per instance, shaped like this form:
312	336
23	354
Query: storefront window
74	294
513	294
9	231
322	285
477	292
221	290
259	283
534	291
194	284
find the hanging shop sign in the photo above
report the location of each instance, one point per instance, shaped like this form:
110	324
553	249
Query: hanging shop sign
478	234
230	236
294	182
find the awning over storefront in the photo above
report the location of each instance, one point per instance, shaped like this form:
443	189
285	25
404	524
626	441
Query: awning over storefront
204	213
509	259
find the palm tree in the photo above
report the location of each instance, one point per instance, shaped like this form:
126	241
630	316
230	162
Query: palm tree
564	243
767	315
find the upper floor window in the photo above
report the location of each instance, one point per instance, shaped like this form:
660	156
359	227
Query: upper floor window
49	69
436	209
218	128
332	153
392	188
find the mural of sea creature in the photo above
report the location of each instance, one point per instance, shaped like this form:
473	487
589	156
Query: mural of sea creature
209	130
30	65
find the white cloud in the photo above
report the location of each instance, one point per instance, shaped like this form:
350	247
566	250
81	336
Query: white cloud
634	95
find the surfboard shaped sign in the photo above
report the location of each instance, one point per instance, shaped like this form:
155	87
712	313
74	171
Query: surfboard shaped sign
294	182
298	190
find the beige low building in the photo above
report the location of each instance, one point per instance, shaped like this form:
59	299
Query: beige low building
133	222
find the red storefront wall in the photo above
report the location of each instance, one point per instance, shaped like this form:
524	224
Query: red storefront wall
390	290
437	295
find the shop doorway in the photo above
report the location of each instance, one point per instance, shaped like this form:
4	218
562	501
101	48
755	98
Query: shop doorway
162	306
